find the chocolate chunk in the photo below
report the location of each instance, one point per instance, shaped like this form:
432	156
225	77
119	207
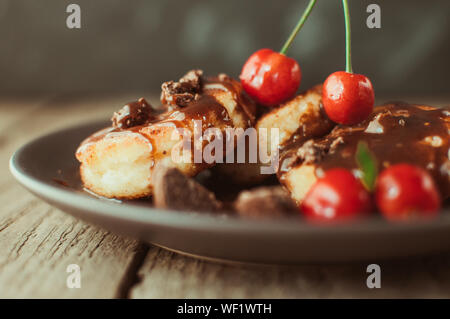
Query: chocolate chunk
133	114
260	202
174	190
193	78
184	91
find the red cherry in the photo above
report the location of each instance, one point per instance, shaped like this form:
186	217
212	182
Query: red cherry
404	191
338	196
347	98
270	77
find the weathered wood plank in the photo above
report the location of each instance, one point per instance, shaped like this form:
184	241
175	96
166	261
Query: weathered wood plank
37	241
168	275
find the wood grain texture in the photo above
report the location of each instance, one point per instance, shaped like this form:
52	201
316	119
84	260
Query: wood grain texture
166	274
38	242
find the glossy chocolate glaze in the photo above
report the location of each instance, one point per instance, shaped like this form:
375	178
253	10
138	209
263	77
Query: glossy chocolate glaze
132	114
239	95
205	108
182	92
395	133
322	126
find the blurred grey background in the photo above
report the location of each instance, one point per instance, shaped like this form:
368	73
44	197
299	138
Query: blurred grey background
134	45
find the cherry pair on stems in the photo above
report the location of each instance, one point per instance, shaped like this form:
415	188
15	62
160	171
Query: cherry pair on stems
271	78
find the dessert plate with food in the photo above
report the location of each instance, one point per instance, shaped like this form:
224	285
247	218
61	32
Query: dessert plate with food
123	177
249	171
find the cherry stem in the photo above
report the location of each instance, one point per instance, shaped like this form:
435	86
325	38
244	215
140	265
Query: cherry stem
297	28
348	38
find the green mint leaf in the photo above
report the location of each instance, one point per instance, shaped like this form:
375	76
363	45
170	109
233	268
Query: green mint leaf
367	164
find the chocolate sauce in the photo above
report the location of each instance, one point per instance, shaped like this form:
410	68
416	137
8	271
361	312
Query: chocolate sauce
133	114
239	95
205	108
395	133
181	93
316	127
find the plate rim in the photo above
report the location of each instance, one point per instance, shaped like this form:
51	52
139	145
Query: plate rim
195	221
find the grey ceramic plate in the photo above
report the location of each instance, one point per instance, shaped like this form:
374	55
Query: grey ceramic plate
47	167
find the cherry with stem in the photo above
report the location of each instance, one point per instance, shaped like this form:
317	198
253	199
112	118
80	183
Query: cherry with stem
347	98
271	77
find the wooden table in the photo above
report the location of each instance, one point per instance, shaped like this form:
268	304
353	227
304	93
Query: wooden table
38	242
